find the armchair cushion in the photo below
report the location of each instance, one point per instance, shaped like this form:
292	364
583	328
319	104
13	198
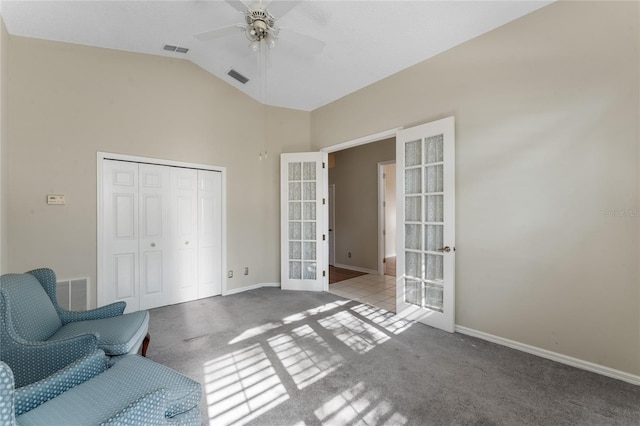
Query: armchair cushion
116	335
105	395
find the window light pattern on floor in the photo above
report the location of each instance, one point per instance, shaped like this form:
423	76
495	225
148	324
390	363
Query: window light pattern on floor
359	405
241	386
290	355
257	331
353	332
382	318
305	355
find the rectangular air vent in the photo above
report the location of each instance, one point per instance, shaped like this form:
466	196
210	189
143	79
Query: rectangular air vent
73	295
236	75
176	49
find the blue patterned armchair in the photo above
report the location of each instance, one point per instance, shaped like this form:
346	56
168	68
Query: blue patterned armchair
132	391
34	327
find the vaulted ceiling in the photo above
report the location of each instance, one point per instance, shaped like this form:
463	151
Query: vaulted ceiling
364	41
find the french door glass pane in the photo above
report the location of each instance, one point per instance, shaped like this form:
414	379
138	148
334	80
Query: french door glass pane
413	209
295	250
433	237
412	181
295	191
412	292
434	149
294	172
433	178
295	232
310	170
413	153
433	267
413	264
433	296
424	210
309	231
435	208
295	270
302	220
413	237
309	270
309	250
309	211
295	211
309	190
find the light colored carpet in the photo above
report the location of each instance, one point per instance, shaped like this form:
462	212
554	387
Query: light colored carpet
272	357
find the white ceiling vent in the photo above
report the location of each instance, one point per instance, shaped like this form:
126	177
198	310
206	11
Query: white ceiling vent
176	49
236	75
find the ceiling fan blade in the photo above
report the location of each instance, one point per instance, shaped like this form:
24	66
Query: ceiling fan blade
219	32
238	5
307	43
280	8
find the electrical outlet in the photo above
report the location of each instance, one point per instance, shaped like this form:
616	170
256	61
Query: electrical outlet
230	275
349	255
246	270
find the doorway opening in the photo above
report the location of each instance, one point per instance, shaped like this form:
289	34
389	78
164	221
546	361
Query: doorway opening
387	218
360	234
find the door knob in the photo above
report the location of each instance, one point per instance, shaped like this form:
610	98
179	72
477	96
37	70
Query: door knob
445	249
153	244
186	243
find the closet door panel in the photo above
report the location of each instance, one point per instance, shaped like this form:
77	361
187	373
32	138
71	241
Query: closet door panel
120	245
155	267
210	233
184	228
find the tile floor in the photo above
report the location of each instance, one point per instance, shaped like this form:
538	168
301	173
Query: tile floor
376	290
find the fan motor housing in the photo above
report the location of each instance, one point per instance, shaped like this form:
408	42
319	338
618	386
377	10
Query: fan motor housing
256	15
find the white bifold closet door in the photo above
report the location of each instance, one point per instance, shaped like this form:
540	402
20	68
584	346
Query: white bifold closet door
162	237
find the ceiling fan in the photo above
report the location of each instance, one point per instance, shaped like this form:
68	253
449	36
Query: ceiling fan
260	26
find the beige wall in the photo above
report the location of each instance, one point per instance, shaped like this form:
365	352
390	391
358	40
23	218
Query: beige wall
66	102
547	142
355	176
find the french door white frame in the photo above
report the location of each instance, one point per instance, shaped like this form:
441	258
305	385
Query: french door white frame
101	157
419	315
376	137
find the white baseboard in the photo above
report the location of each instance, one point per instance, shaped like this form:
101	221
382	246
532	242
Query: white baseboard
356	268
249	287
554	356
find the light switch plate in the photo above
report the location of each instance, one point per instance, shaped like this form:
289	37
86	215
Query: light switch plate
55	199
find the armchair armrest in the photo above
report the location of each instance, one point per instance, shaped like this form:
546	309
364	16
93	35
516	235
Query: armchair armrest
150	409
108	311
30	396
47	357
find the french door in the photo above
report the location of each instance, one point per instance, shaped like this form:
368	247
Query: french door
304	247
425	286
